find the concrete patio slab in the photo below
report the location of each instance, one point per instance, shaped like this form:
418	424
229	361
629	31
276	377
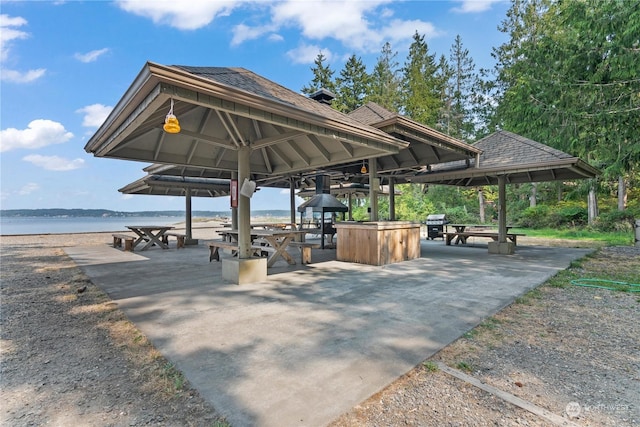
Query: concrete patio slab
312	341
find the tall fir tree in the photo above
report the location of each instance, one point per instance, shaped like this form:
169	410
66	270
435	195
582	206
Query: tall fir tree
422	85
385	83
351	86
322	76
462	98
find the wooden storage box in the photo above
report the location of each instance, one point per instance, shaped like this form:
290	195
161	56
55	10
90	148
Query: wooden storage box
377	243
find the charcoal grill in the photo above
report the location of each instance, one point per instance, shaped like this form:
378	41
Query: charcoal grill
435	225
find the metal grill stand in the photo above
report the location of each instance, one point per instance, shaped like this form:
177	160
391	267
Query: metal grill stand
435	225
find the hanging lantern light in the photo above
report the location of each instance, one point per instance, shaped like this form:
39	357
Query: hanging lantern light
363	169
171	124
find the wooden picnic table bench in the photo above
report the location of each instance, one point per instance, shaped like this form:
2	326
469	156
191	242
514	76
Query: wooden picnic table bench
305	250
214	249
462	236
128	241
179	236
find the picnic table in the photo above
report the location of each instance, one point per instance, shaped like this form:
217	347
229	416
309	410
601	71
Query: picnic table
277	240
266	225
151	234
464	231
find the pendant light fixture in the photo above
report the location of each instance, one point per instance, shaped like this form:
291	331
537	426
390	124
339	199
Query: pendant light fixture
363	169
171	124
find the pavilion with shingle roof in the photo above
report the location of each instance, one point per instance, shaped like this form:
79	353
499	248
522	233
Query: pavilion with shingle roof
508	158
235	120
515	157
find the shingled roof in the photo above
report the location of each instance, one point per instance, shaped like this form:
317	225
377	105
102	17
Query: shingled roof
166	185
427	146
518	158
223	110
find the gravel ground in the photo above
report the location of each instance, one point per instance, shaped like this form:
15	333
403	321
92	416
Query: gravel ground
69	357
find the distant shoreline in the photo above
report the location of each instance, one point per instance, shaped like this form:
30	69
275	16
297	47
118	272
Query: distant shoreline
106	213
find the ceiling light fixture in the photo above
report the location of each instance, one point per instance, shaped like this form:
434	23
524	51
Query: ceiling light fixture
363	169
171	124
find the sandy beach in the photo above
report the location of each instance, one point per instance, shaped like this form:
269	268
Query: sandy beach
70	357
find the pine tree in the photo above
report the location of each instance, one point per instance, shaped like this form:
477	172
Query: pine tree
322	76
352	86
422	86
462	99
385	84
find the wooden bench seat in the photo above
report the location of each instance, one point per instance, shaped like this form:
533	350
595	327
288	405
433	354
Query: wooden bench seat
128	241
305	250
462	236
214	248
179	236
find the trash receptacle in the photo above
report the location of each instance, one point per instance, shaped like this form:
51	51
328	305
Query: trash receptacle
637	232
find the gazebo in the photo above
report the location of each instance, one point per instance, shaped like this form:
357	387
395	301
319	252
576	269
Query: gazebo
508	158
235	120
179	186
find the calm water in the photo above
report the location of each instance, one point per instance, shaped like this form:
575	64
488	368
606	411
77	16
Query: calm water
42	225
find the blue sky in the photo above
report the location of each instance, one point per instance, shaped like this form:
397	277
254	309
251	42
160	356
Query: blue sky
65	64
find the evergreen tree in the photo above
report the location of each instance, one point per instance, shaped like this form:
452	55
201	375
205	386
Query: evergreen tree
444	74
422	86
352	86
463	80
322	76
570	76
385	84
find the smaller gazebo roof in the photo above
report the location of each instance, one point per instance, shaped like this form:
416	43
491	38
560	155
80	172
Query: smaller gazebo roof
427	146
517	158
166	185
344	189
198	172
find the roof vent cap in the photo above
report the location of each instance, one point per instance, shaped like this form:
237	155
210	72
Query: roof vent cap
323	96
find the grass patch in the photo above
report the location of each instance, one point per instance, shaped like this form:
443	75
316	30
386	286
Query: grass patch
562	279
172	377
529	297
430	366
464	366
606	238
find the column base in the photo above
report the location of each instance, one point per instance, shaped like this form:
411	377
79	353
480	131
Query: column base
502	248
189	242
244	271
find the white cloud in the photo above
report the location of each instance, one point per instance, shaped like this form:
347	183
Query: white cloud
189	15
14	76
54	163
8	33
127	196
396	32
91	56
306	54
95	114
242	33
344	21
40	133
474	6
362	26
28	189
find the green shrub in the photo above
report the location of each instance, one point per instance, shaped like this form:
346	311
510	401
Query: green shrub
571	216
534	217
615	221
460	215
